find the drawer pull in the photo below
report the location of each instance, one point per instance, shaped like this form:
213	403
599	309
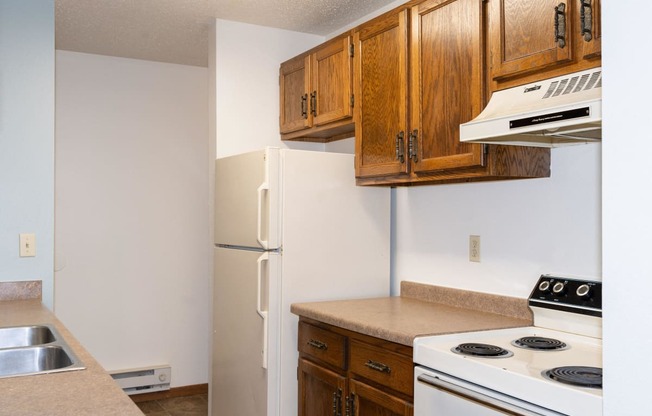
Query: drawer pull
375	365
318	344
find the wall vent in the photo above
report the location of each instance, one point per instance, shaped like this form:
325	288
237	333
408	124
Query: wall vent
143	380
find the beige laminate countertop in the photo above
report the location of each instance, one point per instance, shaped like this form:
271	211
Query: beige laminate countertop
84	392
416	313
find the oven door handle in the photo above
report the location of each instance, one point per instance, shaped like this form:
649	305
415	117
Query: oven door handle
475	396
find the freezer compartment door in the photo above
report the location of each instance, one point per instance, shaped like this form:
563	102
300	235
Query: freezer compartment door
245	328
247	200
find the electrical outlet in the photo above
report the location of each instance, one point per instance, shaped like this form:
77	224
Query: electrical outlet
27	245
474	248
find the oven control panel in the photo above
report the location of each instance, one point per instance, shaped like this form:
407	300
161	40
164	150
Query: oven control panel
568	294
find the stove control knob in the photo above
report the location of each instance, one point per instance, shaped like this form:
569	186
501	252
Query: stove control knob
584	291
544	286
559	288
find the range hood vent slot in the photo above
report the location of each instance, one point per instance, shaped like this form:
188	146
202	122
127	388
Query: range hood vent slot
554	112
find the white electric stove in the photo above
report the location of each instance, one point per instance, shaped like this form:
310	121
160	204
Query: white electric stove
552	368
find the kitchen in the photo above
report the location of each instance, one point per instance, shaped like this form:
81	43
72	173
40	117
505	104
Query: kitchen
426	229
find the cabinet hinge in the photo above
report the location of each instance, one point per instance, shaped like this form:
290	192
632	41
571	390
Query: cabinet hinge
351	48
352	100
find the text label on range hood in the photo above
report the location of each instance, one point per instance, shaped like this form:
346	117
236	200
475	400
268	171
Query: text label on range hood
554	112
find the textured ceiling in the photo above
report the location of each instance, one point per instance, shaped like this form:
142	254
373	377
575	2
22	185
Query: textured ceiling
176	31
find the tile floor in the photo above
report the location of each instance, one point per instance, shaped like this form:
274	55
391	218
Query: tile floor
177	406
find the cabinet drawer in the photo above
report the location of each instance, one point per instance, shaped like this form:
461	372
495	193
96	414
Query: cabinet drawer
382	366
323	345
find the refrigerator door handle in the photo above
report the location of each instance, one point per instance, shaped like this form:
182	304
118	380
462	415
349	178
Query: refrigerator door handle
264	187
263	314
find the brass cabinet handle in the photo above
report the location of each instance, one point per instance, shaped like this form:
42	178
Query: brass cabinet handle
400	147
560	25
350	405
313	103
586	20
412	146
337	403
375	365
304	106
318	344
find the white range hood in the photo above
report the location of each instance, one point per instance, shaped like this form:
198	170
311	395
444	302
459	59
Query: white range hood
554	112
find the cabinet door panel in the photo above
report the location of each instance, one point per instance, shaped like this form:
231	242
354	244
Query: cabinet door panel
320	390
446	82
381	79
331	79
369	401
523	36
294	86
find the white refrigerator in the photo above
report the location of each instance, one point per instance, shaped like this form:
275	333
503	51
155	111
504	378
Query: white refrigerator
290	226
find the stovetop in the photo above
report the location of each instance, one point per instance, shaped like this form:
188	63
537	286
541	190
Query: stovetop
519	375
520	372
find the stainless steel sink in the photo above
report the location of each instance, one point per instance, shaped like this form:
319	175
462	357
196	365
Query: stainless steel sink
25	336
35	349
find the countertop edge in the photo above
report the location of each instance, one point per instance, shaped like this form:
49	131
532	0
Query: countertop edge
401	319
90	391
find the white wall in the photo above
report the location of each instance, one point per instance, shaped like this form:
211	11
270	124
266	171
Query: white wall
133	252
627	209
27	139
246	65
527	227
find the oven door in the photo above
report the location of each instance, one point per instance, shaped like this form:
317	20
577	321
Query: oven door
438	394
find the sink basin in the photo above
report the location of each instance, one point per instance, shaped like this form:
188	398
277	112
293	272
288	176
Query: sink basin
33	360
25	336
34	349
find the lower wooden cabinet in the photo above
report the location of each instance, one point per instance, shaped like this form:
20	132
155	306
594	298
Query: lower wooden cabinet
321	391
366	400
344	373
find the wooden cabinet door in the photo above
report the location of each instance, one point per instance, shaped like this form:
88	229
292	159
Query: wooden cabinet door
381	95
523	35
590	28
446	83
321	392
295	101
369	401
330	68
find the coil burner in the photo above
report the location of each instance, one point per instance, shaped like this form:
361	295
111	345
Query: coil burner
482	350
539	343
576	376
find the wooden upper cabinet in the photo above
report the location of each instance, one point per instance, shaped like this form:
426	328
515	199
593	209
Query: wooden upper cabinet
527	36
316	93
590	28
533	40
295	82
330	69
421	70
381	95
409	122
446	83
